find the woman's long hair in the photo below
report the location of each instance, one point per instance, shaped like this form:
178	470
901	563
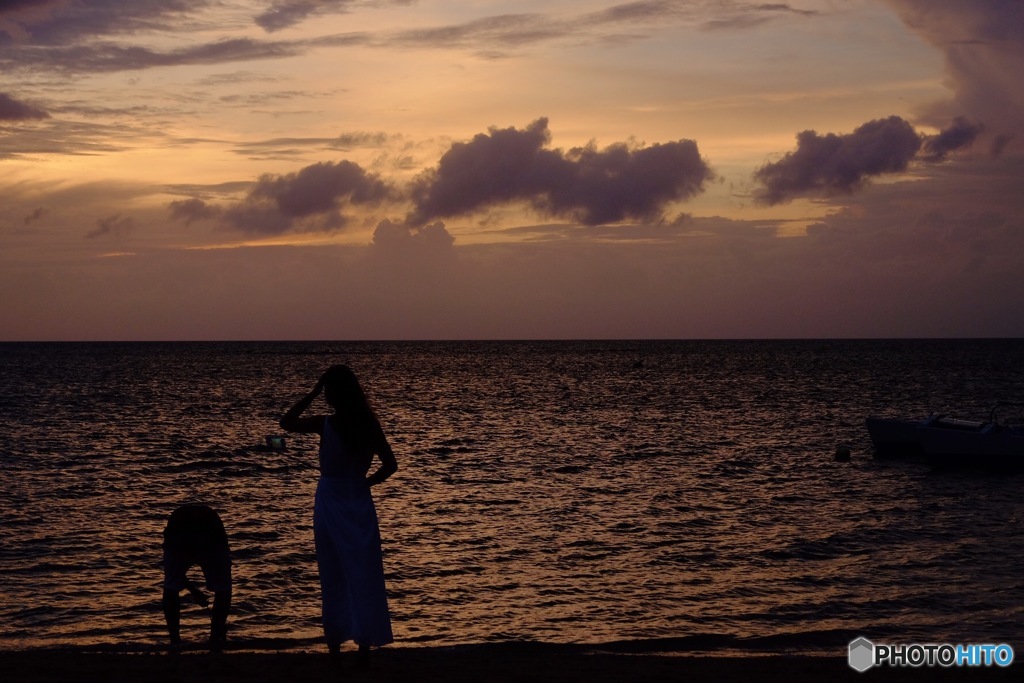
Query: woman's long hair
344	393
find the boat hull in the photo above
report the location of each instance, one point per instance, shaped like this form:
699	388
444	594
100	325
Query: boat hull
895	438
994	447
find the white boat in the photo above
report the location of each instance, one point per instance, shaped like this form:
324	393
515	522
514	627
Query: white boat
993	447
894	438
951	443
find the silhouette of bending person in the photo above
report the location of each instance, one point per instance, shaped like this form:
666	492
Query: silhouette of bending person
345	527
195	536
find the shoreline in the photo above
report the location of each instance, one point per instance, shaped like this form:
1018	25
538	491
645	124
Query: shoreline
820	644
494	662
811	643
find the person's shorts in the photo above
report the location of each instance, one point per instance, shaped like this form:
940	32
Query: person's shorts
215	563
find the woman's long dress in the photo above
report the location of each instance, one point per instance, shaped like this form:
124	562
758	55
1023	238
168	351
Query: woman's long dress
348	549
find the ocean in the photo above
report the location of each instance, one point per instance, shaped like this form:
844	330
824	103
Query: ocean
569	492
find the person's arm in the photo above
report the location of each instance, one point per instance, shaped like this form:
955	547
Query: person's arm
292	420
388	462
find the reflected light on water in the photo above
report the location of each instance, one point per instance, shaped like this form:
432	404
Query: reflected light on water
551	491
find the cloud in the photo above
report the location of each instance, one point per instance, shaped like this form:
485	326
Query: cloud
983	44
682	227
56	22
1000	143
824	165
622	182
77	37
919	231
102	36
58	136
107	57
403	239
962	133
112	226
490	34
36	214
14	14
750	16
229	189
192	210
319	187
311	199
587	184
285	13
829	164
283	147
487	33
908	259
14	110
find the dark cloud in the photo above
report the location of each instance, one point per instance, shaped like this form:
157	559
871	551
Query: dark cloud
35	215
112	226
223	190
63	137
289	146
644	10
502	165
587	184
505	30
749	16
12	7
77	37
490	35
669	232
983	45
826	164
705	13
359	139
103	58
15	110
266	219
285	13
962	133
73	37
999	144
193	209
50	22
15	14
318	188
311	199
402	238
623	181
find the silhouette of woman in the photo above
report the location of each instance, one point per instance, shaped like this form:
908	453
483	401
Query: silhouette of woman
345	528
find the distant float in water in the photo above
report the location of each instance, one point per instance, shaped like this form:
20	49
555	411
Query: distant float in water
951	443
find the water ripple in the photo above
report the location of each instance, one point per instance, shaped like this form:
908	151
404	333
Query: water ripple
547	491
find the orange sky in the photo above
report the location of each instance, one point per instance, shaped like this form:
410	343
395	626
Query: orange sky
290	169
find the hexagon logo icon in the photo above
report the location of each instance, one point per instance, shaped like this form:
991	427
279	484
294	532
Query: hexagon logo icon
862	654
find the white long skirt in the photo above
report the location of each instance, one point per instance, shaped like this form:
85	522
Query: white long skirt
348	554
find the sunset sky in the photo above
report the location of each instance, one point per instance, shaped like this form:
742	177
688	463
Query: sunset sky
431	169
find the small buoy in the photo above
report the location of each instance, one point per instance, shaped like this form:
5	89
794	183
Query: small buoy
842	453
275	443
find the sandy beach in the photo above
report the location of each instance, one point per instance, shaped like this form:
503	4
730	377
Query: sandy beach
496	663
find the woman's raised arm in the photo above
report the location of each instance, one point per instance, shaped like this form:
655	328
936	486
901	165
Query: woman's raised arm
292	420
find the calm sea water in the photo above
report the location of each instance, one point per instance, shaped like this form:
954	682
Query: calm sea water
563	492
